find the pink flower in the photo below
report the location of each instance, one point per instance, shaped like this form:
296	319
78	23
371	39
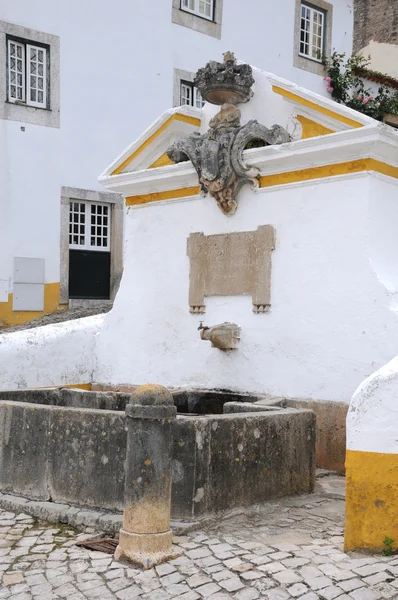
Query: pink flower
328	79
329	88
365	100
359	97
370	98
337	59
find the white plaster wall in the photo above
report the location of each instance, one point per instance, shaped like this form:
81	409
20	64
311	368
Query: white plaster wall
4	215
33	195
372	419
117	61
58	354
330	323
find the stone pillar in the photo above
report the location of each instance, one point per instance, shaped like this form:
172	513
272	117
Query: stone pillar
372	463
146	538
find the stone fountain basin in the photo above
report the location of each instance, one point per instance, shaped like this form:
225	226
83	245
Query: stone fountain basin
231	450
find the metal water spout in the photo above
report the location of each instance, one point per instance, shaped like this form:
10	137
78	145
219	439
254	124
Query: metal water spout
224	336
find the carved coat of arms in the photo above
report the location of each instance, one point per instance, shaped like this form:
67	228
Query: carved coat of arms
217	155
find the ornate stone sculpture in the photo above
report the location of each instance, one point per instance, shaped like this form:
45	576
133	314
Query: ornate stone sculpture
217	155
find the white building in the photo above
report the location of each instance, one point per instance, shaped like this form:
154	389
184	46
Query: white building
78	82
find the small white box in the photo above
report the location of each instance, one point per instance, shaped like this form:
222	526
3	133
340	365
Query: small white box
28	270
28	296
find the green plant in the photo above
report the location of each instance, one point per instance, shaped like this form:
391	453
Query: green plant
347	87
388	550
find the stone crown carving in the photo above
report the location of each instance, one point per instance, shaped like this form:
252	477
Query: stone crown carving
217	155
225	82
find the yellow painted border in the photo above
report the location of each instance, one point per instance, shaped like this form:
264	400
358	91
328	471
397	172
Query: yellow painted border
175	117
162	161
157	196
51	303
345	168
73	386
311	128
354	166
317	107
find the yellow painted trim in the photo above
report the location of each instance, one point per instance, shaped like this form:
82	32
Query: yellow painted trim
371	499
321	109
162	161
51	303
355	166
157	196
74	386
311	128
175	117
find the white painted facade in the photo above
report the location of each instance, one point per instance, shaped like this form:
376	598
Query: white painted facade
116	77
333	314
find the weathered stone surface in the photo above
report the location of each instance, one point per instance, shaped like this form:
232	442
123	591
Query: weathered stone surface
217	155
258	452
59	454
375	21
330	431
145	537
79	455
230	264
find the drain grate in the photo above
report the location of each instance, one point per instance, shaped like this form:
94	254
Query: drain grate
105	545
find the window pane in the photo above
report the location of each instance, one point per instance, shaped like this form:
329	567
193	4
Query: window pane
205	8
186	96
199	102
36	66
311	32
77	226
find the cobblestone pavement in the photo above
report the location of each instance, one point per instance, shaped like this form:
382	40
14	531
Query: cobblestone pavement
290	548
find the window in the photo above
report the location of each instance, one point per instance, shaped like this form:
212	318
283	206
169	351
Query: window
27	73
312	33
202	8
89	225
190	95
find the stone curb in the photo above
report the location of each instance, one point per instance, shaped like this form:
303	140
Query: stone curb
78	517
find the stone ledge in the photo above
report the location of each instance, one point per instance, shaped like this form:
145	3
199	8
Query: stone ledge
80	517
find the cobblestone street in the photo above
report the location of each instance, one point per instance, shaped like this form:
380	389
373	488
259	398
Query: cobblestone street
291	548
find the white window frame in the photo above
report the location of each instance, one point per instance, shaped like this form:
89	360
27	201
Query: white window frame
185	6
85	232
195	96
10	43
27	73
311	48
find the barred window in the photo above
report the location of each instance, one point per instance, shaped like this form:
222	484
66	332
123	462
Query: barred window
89	225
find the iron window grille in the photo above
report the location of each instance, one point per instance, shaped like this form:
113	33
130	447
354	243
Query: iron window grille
201	8
190	95
28	78
312	32
89	225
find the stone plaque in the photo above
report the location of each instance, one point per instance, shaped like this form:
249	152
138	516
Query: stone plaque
231	264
